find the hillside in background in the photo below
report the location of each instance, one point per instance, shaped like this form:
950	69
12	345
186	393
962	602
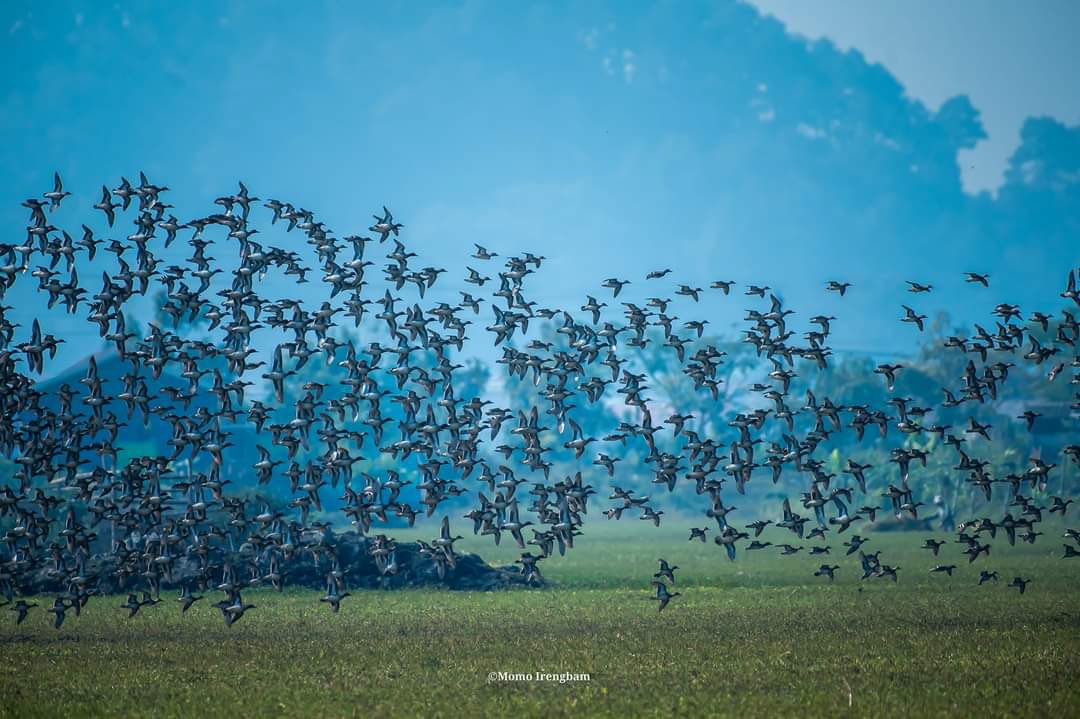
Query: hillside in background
613	139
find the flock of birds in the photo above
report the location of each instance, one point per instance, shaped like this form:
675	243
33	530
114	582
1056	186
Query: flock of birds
68	486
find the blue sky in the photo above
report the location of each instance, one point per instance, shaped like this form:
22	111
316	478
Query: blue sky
612	137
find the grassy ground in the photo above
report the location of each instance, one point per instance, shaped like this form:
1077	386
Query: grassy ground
759	637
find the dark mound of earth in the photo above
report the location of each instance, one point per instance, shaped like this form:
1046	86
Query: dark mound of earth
470	572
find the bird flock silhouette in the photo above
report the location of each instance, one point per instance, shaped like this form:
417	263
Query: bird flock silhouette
69	492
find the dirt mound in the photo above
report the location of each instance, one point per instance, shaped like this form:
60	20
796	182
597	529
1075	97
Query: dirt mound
413	570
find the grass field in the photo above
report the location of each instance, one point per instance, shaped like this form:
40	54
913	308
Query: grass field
758	637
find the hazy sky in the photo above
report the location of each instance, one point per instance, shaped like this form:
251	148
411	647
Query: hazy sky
612	137
1014	59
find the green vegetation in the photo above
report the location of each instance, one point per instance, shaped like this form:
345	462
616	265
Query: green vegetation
758	637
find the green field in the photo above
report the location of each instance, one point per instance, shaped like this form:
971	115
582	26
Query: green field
758	637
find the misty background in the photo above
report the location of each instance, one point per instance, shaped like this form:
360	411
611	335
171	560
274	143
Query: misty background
613	138
769	144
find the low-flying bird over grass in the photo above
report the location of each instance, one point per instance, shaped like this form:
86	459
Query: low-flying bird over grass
663	596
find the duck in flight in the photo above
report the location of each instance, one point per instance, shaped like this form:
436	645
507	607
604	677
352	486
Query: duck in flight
827	570
385	225
666	571
662	594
